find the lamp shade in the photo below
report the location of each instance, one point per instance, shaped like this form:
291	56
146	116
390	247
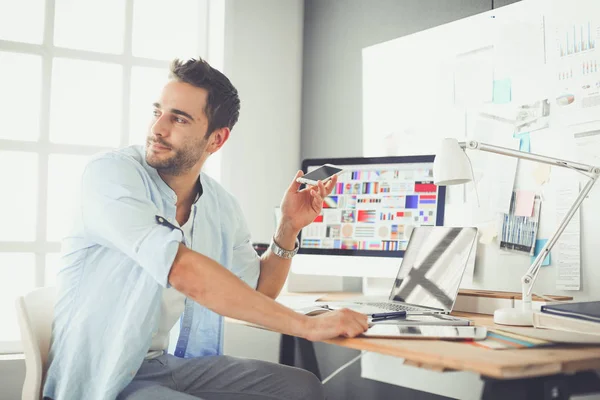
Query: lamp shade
451	165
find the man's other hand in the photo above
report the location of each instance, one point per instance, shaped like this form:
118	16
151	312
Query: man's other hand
336	323
300	207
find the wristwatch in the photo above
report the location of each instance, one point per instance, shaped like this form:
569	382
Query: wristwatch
283	253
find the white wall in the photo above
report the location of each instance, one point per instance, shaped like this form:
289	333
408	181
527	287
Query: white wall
263	59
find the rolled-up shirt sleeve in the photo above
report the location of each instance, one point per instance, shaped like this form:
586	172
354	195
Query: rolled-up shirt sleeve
117	212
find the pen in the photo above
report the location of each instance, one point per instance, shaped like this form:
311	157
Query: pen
388	315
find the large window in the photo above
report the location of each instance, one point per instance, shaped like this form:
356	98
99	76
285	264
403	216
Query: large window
76	77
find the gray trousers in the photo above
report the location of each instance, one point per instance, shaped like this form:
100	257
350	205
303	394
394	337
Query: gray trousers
219	378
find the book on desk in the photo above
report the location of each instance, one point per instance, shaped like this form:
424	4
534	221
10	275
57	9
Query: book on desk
582	317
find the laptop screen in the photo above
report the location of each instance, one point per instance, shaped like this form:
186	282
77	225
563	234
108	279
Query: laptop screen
433	266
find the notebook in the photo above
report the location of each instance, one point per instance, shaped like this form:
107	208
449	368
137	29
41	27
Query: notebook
561	323
588	310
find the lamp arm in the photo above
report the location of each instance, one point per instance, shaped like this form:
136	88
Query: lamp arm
475	145
528	280
530	276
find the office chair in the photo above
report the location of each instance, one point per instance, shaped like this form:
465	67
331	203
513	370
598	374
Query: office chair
35	312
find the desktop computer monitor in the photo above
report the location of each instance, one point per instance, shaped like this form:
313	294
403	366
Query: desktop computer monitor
366	221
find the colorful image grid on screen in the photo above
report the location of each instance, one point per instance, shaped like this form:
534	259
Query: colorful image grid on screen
370	207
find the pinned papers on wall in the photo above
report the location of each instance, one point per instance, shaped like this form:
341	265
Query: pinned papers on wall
533	116
502	91
519	233
541	174
588	146
539	245
524	205
568	246
488	233
524	141
473	77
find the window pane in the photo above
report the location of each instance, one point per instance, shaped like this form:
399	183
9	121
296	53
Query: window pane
22	21
20	91
64	179
17	278
52	264
90	25
146	84
86	103
19	176
164	29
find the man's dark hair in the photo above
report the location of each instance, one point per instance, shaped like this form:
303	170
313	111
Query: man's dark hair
222	102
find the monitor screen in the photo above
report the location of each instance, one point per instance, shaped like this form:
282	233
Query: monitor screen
373	206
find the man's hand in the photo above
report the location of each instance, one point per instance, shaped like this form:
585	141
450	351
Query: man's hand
300	208
336	323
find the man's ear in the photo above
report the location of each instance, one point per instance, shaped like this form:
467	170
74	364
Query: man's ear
218	139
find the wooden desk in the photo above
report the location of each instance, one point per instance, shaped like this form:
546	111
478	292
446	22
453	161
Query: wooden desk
552	373
441	355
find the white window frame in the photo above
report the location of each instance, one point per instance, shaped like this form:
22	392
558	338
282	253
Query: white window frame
44	148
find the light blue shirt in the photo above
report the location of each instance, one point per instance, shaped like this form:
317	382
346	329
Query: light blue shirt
115	263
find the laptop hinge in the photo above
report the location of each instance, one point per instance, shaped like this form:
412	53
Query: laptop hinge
440	310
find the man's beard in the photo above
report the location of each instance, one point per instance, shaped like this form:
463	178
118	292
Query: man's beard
180	161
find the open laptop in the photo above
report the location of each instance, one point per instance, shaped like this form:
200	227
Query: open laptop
430	274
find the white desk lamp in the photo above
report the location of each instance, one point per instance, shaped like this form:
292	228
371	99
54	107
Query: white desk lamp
452	167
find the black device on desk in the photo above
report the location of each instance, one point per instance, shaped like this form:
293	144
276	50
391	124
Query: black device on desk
388	316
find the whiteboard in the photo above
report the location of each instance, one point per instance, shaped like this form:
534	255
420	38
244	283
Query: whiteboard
468	79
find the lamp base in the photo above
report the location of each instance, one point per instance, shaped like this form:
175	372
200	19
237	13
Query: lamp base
513	316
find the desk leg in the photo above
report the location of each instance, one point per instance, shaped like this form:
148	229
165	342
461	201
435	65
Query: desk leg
554	387
287	350
308	357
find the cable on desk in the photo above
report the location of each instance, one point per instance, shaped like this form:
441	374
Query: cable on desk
340	369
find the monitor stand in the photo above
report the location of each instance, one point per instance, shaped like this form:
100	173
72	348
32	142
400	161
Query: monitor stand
301	283
379	287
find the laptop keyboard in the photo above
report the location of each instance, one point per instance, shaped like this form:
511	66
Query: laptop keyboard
392	306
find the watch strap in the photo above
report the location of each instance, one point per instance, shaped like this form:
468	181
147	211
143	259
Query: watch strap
283	253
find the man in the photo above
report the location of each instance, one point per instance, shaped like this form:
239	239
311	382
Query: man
155	238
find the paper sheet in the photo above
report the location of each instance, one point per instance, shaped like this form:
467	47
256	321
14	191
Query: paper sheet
588	152
494	175
502	91
568	246
539	245
474	77
573	34
525	142
541	174
533	116
524	206
588	147
554	335
488	233
504	172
